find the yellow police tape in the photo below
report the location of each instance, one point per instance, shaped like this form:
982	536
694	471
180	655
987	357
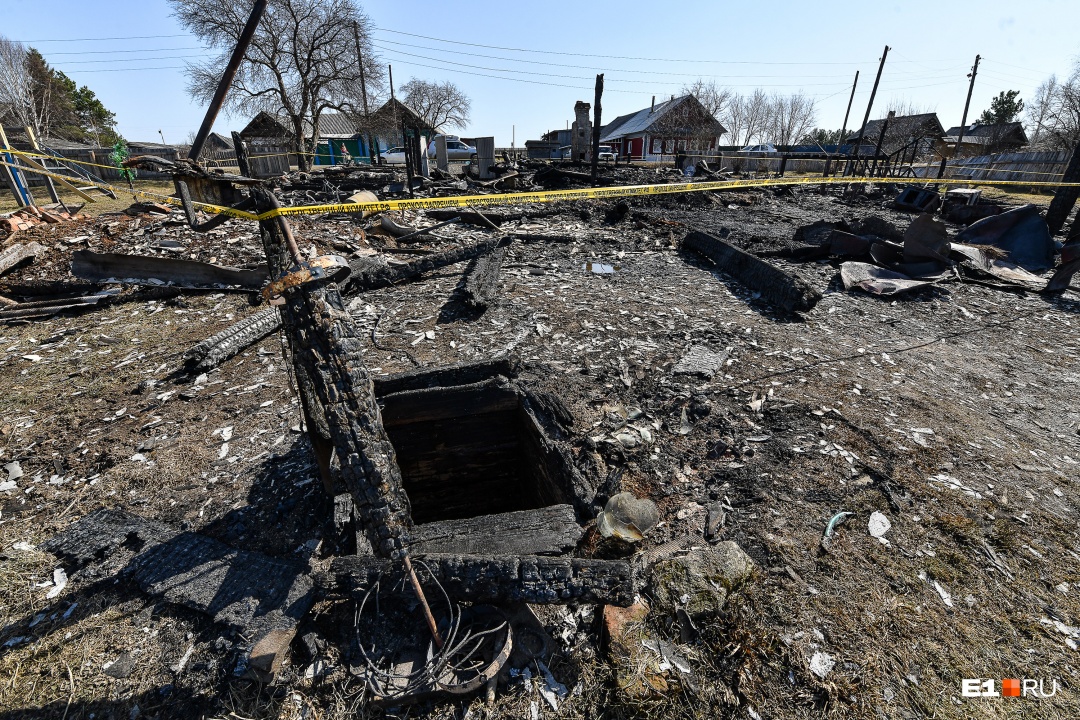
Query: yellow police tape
544	196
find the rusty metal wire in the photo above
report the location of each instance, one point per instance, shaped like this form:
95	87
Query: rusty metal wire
462	654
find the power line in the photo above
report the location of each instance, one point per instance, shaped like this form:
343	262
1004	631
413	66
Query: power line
114	52
458	43
135	69
576	66
119	60
520	80
610	57
99	39
542	74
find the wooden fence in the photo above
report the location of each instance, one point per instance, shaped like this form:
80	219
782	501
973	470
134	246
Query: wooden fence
265	160
1046	166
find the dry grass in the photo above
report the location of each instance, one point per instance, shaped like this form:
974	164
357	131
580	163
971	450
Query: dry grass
102	203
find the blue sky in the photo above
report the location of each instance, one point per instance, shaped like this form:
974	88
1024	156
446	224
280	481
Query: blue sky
542	57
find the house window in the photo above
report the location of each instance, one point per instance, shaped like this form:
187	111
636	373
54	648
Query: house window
656	145
669	145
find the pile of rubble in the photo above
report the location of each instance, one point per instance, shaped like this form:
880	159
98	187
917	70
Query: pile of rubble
599	430
31	215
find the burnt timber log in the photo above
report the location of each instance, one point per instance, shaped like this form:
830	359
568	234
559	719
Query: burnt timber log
367	276
467	216
213	351
336	387
501	580
783	291
551	530
216	349
177	272
482	278
465	373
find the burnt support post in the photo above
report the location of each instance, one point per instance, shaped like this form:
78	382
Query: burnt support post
404	134
596	124
881	140
241	154
226	79
869	106
843	128
1065	198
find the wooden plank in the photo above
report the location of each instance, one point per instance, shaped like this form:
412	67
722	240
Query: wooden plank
48	180
34	164
13	173
486	579
551	530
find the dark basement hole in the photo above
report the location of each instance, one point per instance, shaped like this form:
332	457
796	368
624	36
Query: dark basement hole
469	451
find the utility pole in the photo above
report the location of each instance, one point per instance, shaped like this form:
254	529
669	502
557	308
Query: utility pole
226	81
372	152
405	144
963	120
843	129
869	106
596	125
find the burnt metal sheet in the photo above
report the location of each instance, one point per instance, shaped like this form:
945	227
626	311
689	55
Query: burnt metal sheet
145	270
1021	232
976	258
879	281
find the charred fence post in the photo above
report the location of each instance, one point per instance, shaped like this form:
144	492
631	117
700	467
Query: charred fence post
326	344
1065	197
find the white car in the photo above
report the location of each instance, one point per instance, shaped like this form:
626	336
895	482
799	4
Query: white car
455	149
393	156
606	153
765	150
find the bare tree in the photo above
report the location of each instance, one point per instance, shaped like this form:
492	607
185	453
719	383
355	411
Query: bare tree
301	63
1038	112
756	109
714	98
18	103
904	106
790	117
1055	113
437	104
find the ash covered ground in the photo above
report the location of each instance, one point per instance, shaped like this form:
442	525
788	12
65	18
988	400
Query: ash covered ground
947	409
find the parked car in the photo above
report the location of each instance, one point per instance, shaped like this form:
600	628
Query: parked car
764	150
566	152
455	149
394	156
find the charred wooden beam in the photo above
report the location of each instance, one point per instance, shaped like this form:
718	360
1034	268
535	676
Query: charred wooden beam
552	530
486	579
327	345
447	376
783	291
472	218
216	349
213	351
102	267
482	278
366	277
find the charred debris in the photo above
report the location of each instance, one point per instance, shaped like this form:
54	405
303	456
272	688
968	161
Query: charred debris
461	497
